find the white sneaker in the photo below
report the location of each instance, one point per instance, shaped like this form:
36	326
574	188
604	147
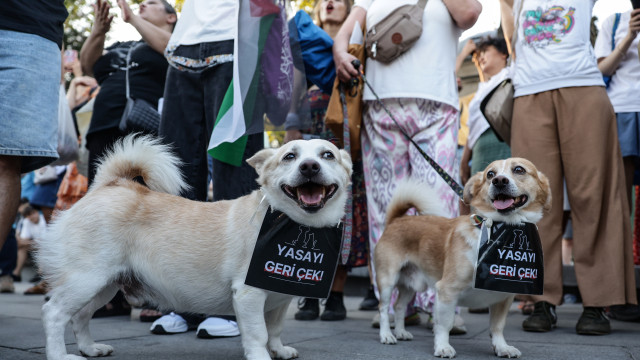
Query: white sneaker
213	327
169	324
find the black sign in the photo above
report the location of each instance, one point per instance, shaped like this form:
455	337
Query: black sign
510	259
294	259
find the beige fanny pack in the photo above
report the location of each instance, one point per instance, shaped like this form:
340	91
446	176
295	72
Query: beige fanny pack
396	33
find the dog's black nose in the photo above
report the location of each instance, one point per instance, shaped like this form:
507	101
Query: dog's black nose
500	181
309	168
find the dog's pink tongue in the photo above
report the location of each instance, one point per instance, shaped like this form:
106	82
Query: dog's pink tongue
502	204
310	197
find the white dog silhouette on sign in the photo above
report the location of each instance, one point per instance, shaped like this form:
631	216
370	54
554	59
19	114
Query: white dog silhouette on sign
305	236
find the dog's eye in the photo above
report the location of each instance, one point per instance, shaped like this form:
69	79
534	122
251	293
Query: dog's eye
490	174
289	156
328	155
519	170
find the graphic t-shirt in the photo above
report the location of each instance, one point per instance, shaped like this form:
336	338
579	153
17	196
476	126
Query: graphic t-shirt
624	88
553	48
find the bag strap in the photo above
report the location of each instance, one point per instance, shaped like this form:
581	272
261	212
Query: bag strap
127	68
613	32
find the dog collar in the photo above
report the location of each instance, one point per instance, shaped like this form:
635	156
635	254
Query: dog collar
477	220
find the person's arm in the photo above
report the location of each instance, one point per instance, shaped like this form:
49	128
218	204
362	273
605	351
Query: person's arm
93	47
344	70
464	12
78	90
468	49
465	169
156	37
506	20
292	123
609	64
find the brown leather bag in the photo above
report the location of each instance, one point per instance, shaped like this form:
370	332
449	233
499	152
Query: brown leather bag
334	119
396	33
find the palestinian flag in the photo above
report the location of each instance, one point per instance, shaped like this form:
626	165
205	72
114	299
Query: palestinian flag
262	79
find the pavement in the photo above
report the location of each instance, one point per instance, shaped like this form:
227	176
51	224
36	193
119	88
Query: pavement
22	337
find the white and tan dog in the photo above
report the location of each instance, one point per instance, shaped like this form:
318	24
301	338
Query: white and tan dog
429	250
176	253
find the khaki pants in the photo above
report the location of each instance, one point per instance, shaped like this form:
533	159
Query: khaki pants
571	133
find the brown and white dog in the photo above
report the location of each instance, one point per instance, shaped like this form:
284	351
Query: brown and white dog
179	254
429	250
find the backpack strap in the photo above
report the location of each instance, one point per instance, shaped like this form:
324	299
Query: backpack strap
613	32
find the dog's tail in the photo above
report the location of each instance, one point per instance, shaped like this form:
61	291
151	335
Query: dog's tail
143	157
413	194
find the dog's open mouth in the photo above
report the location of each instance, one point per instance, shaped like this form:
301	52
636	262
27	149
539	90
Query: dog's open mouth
505	203
310	196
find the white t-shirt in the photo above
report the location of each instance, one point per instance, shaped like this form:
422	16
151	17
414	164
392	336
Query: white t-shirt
427	70
624	88
477	123
553	48
205	21
33	231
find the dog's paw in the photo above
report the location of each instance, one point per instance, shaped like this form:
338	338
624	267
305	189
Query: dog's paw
284	352
507	351
386	337
446	351
403	335
97	350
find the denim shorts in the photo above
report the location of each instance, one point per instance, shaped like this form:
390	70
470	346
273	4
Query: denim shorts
629	133
29	96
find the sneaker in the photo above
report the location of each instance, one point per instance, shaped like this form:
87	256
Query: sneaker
593	321
334	309
569	299
6	284
624	312
309	309
370	302
542	319
214	327
169	324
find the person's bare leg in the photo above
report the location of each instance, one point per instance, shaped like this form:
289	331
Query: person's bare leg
339	279
9	193
23	253
46	212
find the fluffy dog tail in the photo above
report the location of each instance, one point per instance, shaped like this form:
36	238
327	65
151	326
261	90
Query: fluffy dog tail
413	194
141	156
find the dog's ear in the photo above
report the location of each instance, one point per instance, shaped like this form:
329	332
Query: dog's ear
545	191
346	161
258	160
472	187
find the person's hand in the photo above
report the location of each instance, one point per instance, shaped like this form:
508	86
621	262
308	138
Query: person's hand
102	22
344	68
469	47
127	13
634	24
85	81
292	134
